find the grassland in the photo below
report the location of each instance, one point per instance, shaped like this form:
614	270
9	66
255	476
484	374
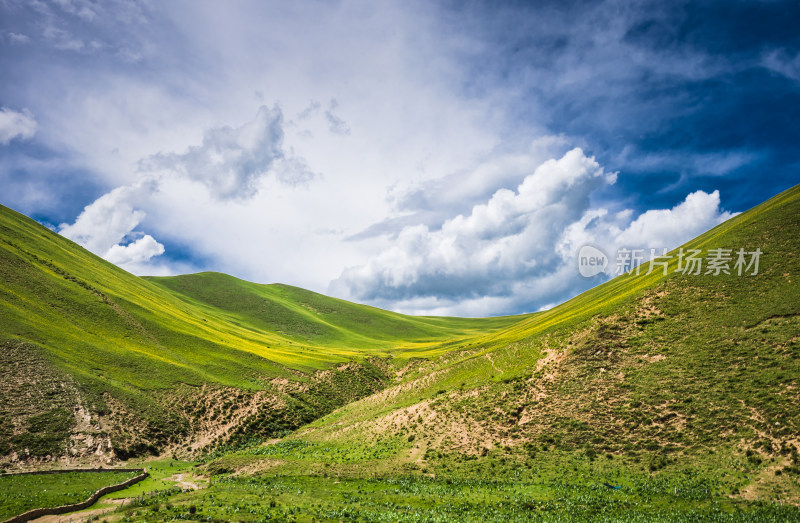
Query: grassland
133	365
648	353
311	320
193	329
415	499
680	389
20	493
647	379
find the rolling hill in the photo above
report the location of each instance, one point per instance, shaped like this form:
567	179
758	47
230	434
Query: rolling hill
652	381
114	364
661	395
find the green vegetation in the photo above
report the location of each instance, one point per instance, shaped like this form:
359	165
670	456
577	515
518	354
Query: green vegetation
312	320
676	363
654	375
83	333
679	389
304	498
22	492
163	475
45	433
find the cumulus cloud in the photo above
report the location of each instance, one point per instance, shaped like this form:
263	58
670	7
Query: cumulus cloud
106	223
433	201
139	251
482	255
225	169
517	251
16	124
672	227
230	161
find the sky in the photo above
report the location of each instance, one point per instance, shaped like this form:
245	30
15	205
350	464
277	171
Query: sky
428	157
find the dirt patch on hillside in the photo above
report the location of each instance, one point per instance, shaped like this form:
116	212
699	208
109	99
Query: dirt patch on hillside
213	413
40	403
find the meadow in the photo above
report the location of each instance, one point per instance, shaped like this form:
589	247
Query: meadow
656	396
513	495
22	492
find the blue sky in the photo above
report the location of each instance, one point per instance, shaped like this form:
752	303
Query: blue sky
425	157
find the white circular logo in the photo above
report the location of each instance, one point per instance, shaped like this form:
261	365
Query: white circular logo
591	261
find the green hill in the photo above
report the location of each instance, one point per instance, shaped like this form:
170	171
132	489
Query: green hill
89	339
653	397
676	381
728	339
311	319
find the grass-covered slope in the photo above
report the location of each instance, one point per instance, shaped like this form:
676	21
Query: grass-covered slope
678	375
653	397
313	320
83	339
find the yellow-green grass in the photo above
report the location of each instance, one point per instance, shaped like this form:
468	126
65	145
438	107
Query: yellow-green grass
681	388
728	342
23	492
314	321
103	323
114	337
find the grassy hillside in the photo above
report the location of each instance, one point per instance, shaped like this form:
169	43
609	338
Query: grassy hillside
652	397
120	358
697	334
313	320
681	388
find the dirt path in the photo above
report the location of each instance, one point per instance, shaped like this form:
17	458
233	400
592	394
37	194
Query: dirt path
77	517
489	357
180	480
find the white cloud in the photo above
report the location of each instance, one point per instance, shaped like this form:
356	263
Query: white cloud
393	127
518	250
435	200
231	160
656	229
229	168
106	223
671	227
482	257
15	124
137	252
